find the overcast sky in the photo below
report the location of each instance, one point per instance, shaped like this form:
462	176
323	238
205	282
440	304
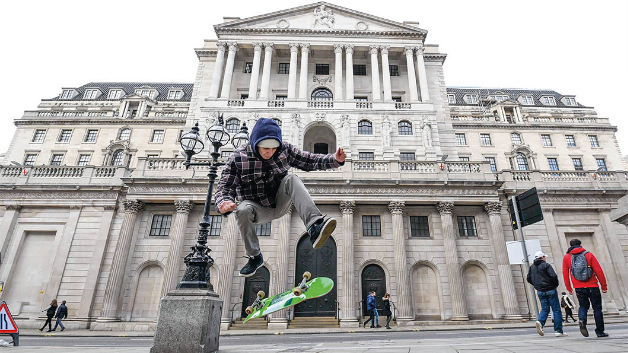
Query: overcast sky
573	47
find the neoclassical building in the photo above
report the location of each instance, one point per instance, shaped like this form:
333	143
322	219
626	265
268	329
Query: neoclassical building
96	207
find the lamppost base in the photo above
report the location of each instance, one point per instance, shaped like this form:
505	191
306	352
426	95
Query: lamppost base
189	321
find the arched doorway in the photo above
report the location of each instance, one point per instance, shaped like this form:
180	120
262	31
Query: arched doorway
426	294
320	263
476	293
320	139
373	279
259	281
148	294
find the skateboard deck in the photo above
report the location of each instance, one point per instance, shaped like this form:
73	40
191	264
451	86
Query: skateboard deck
316	287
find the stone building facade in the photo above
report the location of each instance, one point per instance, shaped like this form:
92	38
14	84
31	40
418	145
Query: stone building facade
98	209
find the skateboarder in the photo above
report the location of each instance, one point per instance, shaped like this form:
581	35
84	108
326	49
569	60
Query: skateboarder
257	176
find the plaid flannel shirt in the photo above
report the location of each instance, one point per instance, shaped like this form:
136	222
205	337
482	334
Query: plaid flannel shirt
248	177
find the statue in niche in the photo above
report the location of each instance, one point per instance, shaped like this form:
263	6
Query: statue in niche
323	17
386	131
426	127
346	131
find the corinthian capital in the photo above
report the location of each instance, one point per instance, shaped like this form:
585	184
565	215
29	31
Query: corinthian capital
493	208
257	46
445	207
349	48
384	49
409	50
396	207
268	47
132	206
221	46
347	207
305	48
338	48
294	47
233	46
373	49
420	50
183	206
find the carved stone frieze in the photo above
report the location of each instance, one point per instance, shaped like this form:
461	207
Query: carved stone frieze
132	206
13	207
396	207
58	195
167	190
183	206
110	207
401	191
445	207
347	207
493	208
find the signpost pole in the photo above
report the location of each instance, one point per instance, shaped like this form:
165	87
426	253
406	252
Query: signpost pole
525	250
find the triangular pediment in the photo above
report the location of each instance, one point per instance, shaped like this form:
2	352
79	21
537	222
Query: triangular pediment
316	17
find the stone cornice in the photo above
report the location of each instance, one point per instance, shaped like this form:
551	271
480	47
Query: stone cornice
142	121
434	57
320	33
206	53
529	126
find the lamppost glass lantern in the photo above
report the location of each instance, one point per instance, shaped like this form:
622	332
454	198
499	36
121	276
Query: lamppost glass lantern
217	134
241	138
191	142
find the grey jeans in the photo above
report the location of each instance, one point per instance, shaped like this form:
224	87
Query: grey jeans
291	192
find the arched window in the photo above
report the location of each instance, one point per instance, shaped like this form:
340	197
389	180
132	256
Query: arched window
125	134
117	158
233	126
322	94
522	162
365	127
277	121
405	127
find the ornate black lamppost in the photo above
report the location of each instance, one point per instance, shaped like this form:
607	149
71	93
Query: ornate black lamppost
199	261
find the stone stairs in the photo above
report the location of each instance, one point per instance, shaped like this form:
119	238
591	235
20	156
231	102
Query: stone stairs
313	322
253	324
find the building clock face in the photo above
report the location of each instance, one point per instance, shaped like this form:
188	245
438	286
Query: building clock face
361	26
283	24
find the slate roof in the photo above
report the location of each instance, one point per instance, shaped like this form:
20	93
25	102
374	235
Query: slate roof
129	88
513	93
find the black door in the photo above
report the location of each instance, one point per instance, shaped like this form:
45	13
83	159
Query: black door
259	281
373	279
320	263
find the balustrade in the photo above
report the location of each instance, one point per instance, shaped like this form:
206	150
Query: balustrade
235	103
276	104
364	105
320	104
399	105
57	172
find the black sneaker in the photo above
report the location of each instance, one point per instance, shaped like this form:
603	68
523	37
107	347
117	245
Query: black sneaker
254	263
320	231
603	334
583	329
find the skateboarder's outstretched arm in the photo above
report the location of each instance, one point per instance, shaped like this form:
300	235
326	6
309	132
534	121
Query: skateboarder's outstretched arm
308	161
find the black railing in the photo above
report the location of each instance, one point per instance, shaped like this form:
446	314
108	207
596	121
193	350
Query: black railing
360	314
337	311
231	312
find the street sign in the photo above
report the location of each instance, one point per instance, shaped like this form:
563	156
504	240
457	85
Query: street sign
529	209
515	251
7	325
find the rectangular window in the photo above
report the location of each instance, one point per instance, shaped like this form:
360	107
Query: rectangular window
359	70
161	225
571	141
84	159
152	156
515	138
361	99
593	141
244	96
322	69
553	163
281	97
466	226
577	163
114	94
471	99
215	222
485	139
371	226
451	98
396	99
30	159
158	136
548	100
56	159
394	70
601	164
461	139
407	156
65	135
284	68
366	156
527	100
546	140
570	101
175	94
464	159
225	154
491	160
91	136
262	230
248	68
419	227
39	135
90	94
67	94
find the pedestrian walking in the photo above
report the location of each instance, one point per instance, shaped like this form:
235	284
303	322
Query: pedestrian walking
387	309
567	304
62	313
544	279
371	308
582	269
50	312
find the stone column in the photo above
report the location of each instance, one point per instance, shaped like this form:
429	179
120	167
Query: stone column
459	307
257	54
220	59
404	299
375	72
113	290
348	299
279	320
226	275
226	83
338	72
305	52
386	74
177	238
420	68
414	96
292	74
268	56
349	70
498	242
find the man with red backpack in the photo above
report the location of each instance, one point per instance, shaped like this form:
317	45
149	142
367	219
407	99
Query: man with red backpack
582	269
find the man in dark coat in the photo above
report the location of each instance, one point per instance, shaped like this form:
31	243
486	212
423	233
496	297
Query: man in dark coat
544	279
62	313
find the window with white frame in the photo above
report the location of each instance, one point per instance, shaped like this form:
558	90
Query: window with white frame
570	101
91	135
522	162
90	94
471	98
117	158
84	159
461	139
546	140
67	94
30	158
601	164
365	127
215	221
466	226
175	94
548	100
39	135
160	225
281	97
491	161
278	121
65	135
515	138
577	163
407	156
233	126
125	134
485	139
498	97
571	141
371	226
593	140
158	136
404	127
361	99
225	154
114	94
527	100
451	98
366	156
57	159
263	230
146	92
553	163
152	156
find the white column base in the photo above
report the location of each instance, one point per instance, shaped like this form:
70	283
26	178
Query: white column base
405	321
224	324
459	318
513	317
278	324
349	323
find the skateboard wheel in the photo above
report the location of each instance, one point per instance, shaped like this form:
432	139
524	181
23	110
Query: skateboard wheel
307	275
297	291
261	294
248	310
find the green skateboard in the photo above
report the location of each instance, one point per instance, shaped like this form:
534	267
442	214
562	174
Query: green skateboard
307	289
